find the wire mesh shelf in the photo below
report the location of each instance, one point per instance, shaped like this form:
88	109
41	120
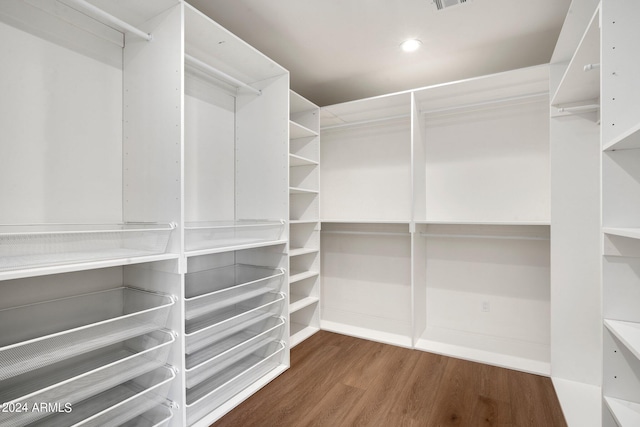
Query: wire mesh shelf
55	330
156	417
215	289
200	236
35	246
79	378
207	330
117	405
212	393
213	359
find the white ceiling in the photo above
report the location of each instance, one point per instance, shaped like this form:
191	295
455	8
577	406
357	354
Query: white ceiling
340	50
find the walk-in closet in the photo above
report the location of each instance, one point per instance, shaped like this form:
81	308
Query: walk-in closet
189	230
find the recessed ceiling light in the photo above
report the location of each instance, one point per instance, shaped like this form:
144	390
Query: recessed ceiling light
411	45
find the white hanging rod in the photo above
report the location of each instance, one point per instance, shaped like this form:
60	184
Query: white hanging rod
482	104
579	108
484	236
206	67
94	10
366	122
366	233
590	67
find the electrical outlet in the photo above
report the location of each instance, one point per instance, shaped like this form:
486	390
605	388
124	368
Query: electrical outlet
486	306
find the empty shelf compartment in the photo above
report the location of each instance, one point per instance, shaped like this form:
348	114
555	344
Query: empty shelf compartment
212	359
79	378
117	405
156	417
212	393
56	330
33	246
217	288
209	329
231	234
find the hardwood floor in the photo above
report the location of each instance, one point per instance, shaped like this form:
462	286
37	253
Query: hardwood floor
335	380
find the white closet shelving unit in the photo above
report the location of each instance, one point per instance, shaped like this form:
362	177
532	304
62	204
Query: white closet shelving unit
236	207
481	247
415	251
144	236
620	209
90	241
304	226
366	212
576	325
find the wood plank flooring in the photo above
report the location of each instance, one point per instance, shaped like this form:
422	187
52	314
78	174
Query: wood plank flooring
336	381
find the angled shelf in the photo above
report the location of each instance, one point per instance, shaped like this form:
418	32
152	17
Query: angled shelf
298	302
302	251
295	160
300	332
626	141
625	413
297	131
581	81
633	233
297	190
627	332
296	276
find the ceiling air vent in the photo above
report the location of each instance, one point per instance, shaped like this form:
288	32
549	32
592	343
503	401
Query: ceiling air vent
441	4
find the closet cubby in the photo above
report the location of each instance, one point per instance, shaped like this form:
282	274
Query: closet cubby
485	149
77	194
446	189
236	122
92	333
366	281
620	207
366	160
235	311
304	214
482	293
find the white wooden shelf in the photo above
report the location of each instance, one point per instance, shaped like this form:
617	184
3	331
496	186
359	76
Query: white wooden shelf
297	190
300	332
627	332
626	141
365	221
235	247
297	131
633	233
577	83
471	222
295	160
304	221
296	276
302	251
626	414
298	302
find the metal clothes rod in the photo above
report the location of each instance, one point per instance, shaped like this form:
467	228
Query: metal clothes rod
590	67
366	233
482	104
366	122
483	236
204	66
579	108
94	10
